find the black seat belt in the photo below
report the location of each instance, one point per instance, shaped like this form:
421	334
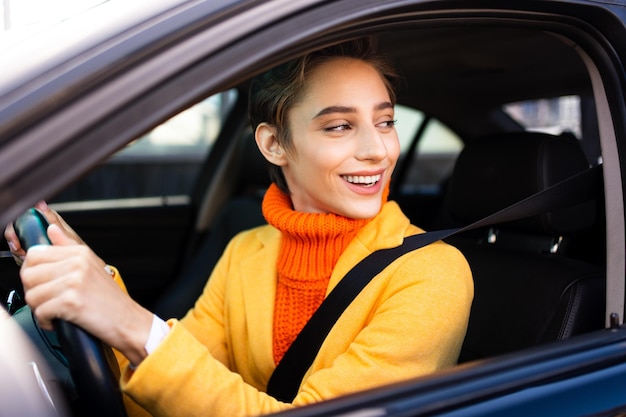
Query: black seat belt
287	377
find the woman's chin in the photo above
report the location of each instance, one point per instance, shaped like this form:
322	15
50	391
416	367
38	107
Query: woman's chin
363	210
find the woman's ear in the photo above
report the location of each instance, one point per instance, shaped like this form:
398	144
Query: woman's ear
267	141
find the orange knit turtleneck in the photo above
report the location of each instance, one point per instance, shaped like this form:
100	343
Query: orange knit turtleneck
311	244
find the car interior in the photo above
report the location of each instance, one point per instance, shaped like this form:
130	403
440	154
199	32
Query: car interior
537	280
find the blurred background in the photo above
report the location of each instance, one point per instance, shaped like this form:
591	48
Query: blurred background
24	15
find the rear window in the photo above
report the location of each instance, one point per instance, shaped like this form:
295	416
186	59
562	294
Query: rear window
552	115
435	154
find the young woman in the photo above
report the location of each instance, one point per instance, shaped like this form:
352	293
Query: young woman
325	123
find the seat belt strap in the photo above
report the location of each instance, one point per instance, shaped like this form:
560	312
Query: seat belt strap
287	377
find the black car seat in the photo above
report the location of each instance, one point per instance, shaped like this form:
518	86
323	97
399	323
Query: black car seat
528	289
241	212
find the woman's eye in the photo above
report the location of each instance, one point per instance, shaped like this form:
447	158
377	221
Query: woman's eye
338	128
387	124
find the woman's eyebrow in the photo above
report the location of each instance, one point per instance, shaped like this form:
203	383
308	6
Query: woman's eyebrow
349	109
384	105
335	109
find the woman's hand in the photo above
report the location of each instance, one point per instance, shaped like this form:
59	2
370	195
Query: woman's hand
68	281
52	217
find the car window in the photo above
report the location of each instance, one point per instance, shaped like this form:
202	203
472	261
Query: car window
435	153
554	115
164	162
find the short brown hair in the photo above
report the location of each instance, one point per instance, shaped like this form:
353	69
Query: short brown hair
275	92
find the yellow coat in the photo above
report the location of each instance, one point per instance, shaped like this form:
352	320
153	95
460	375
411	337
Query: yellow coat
409	321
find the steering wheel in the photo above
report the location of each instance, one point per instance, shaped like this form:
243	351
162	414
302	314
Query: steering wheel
91	363
94	369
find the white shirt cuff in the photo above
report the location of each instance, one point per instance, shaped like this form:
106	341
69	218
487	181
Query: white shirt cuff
158	331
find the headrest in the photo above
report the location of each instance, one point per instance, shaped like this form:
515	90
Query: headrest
494	172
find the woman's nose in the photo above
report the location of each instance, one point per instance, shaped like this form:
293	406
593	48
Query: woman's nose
371	145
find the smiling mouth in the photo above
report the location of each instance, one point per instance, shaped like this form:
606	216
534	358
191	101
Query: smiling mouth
362	180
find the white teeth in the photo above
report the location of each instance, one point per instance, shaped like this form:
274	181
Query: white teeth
362	179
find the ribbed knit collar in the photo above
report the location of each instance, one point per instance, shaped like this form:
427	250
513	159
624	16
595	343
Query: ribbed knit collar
312	242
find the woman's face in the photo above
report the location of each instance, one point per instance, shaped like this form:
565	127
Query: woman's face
344	143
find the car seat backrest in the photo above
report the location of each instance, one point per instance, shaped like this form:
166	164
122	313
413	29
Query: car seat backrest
527	291
496	171
240	212
252	176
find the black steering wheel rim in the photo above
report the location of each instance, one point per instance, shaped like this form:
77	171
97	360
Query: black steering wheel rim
94	370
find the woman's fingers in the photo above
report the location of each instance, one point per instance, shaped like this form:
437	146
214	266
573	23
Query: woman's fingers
59	280
48	303
14	244
54	218
59	236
